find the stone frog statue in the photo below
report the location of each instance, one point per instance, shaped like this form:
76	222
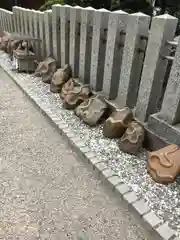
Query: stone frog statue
92	110
116	125
164	165
133	138
46	69
74	93
61	76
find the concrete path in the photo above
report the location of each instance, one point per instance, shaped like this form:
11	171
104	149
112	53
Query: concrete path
46	191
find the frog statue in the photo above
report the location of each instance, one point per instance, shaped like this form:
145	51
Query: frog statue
164	165
46	69
61	76
92	110
74	93
133	138
116	125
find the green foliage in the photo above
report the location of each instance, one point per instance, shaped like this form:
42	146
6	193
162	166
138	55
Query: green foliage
48	4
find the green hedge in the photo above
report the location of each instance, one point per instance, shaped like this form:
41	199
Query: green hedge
48	4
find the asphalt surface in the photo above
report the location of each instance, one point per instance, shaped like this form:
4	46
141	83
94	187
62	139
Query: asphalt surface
46	191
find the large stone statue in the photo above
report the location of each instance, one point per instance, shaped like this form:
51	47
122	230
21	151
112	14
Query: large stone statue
116	125
164	164
46	69
133	138
61	76
74	93
92	110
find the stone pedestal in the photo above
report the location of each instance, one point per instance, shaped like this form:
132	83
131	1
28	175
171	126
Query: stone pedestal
25	62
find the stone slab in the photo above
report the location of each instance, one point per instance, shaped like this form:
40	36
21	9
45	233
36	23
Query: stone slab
130	197
165	231
152	219
170	133
122	188
141	207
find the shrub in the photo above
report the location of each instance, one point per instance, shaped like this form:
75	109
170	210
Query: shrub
48	4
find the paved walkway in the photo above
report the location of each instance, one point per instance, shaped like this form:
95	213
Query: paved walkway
46	191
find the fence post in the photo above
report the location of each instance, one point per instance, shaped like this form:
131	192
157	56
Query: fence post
48	32
170	111
65	25
21	14
114	49
42	35
37	34
15	19
11	22
133	56
85	43
74	39
56	32
162	29
99	38
26	21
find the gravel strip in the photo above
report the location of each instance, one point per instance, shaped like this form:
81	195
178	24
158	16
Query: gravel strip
163	200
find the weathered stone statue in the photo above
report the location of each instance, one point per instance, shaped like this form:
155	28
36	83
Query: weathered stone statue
164	164
116	125
74	93
92	110
133	138
4	41
46	69
60	77
12	45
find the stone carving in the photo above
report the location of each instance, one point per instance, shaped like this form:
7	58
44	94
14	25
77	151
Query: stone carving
4	40
60	77
74	93
12	45
116	125
46	69
133	138
92	110
164	164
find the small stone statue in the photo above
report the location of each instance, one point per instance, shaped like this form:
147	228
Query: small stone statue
164	164
92	110
133	138
12	45
60	77
116	125
74	93
46	69
4	41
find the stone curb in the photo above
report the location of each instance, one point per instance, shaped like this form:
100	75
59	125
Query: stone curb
155	226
